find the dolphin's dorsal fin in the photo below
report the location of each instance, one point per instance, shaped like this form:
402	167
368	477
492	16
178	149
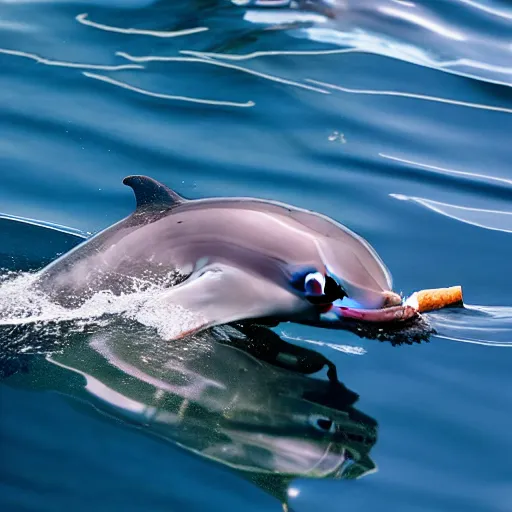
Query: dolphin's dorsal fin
150	193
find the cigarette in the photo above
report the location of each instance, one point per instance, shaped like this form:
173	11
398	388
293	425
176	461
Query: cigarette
436	298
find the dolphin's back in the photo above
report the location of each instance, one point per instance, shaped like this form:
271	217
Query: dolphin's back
154	246
159	242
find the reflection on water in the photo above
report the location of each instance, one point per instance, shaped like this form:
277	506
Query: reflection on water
241	397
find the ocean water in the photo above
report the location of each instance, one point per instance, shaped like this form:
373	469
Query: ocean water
391	116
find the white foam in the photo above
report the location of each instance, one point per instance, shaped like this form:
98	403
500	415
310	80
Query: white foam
22	304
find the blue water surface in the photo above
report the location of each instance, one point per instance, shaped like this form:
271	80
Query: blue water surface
391	116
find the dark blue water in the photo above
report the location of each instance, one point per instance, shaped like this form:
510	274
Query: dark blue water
392	117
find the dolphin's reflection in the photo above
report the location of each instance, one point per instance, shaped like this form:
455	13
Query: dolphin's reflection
239	395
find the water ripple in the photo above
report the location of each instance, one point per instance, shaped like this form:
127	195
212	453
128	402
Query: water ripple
49	225
64	64
444	170
488	326
124	85
489	10
413	96
495	220
204	59
423	22
270	53
417	59
82	18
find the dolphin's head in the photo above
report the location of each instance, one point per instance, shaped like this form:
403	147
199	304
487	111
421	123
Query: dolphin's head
350	281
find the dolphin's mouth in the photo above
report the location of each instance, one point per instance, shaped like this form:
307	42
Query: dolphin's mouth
384	315
392	311
319	289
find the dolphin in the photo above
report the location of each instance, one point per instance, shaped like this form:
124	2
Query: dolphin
228	260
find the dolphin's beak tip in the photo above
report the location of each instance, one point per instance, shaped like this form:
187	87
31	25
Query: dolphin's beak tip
391	299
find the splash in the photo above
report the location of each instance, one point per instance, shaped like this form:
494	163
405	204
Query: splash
31	322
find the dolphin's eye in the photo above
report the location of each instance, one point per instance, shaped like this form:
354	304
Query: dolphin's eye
323	424
314	284
319	289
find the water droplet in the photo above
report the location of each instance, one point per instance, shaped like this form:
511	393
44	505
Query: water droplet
337	137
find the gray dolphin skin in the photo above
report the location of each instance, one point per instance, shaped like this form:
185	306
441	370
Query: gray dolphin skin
230	259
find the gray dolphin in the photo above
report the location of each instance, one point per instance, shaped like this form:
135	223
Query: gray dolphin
235	259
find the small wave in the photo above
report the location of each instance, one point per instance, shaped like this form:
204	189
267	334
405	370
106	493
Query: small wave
65	64
489	326
500	13
426	36
83	19
163	96
443	170
274	53
205	58
494	220
420	20
410	95
47	225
